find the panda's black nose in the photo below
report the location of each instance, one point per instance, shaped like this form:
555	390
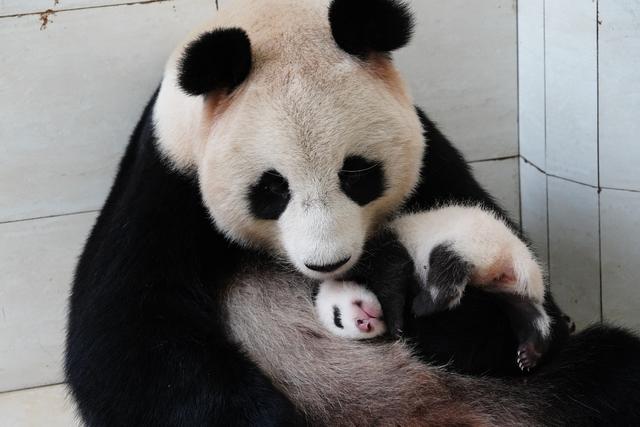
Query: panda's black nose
328	268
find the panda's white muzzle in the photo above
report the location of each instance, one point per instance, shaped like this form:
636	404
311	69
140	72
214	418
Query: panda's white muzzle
323	240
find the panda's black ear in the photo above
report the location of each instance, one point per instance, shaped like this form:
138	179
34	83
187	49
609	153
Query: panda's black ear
361	27
218	59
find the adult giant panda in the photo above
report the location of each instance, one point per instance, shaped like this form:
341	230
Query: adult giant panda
280	143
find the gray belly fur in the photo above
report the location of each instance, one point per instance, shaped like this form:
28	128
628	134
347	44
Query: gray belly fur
335	381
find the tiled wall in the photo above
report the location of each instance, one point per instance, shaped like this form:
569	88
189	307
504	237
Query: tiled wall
70	94
462	69
73	83
579	111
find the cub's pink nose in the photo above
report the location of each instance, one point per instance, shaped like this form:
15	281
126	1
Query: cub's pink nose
367	316
364	325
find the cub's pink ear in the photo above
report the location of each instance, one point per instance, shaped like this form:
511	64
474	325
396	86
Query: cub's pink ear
361	27
217	60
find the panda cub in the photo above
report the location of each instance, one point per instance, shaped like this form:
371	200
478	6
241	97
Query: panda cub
349	310
493	332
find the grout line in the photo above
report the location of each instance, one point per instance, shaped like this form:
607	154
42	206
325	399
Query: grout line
518	74
595	187
73	9
519	166
546	181
518	114
546	178
529	162
599	188
495	159
619	189
544	75
30	388
600	255
597	23
48	216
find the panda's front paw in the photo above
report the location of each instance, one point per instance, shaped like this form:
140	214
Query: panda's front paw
495	258
447	277
349	310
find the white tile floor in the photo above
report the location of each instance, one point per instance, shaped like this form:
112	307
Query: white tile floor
48	406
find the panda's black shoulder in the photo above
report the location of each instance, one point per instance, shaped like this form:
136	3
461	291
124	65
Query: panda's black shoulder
440	152
445	176
153	209
145	309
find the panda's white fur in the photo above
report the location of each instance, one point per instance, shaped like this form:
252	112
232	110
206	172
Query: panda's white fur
501	261
303	109
302	115
478	235
499	258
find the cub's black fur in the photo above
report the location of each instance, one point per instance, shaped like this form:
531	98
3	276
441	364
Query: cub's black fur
361	27
218	59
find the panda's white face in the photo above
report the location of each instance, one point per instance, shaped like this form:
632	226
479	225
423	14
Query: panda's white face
311	167
306	157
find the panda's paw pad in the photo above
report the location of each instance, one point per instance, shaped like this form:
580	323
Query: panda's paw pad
528	356
349	310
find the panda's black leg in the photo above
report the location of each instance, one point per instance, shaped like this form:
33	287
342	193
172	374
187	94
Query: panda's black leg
447	276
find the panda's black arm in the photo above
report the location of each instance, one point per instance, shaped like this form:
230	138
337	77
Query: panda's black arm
446	177
146	343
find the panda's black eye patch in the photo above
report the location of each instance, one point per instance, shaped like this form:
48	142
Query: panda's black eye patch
361	179
270	196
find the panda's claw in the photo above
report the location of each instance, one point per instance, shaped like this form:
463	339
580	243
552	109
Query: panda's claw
527	357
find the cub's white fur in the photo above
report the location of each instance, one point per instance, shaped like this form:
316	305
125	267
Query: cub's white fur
355	304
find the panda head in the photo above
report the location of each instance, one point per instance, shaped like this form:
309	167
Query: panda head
297	124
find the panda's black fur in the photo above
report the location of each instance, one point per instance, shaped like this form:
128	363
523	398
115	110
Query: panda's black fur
147	344
449	337
201	72
144	348
361	27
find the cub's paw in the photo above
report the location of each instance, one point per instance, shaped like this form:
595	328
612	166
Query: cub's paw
531	350
532	326
527	357
349	310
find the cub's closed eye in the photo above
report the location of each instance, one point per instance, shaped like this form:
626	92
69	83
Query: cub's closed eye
362	180
270	196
